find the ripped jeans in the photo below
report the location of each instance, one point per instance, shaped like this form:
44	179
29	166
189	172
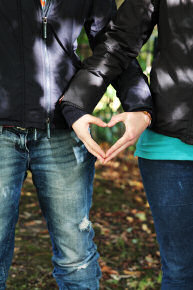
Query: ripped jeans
62	172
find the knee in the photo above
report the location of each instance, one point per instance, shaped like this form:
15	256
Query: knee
178	275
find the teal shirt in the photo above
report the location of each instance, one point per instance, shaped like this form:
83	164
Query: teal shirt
156	146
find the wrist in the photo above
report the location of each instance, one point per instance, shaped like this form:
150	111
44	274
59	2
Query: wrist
148	117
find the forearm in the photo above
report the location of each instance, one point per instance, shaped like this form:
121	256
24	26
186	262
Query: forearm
72	114
133	89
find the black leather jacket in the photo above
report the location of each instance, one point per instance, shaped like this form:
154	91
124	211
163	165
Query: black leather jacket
172	71
38	55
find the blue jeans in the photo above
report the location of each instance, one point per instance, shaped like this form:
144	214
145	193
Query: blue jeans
62	171
169	189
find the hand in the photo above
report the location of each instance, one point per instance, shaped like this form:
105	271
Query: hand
135	124
81	128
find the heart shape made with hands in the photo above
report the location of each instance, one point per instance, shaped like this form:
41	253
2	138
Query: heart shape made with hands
111	133
117	146
135	123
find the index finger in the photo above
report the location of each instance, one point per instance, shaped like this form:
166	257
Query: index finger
124	139
94	146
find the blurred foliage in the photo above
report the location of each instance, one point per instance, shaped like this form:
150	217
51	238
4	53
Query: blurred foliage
110	104
119	2
106	108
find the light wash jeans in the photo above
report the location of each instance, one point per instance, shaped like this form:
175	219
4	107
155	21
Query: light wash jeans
62	171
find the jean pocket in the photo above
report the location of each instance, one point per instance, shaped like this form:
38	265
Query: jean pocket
8	134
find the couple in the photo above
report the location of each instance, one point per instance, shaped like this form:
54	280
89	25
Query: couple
38	61
165	150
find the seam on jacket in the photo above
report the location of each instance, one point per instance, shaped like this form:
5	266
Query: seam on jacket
190	123
22	56
73	105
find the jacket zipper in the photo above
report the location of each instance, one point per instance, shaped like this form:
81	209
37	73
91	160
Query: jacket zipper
45	13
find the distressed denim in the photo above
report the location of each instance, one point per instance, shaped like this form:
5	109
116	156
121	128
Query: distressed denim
62	171
169	189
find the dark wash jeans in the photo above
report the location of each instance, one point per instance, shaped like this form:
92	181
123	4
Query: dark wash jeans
62	171
169	189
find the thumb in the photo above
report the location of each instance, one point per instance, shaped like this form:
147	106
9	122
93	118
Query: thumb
97	121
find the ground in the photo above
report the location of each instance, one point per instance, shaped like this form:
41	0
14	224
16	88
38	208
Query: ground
124	233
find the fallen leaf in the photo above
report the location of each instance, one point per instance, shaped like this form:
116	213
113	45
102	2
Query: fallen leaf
146	229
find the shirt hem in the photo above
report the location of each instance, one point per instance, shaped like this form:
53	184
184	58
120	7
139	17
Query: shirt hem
161	156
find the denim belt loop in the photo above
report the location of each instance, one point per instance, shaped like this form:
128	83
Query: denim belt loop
1	130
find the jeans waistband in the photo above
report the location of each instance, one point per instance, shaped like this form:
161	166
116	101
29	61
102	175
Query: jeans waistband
25	130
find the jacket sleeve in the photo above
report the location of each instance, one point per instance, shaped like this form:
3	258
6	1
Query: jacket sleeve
118	46
133	89
102	11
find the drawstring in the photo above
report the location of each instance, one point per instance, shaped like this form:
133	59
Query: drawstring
35	134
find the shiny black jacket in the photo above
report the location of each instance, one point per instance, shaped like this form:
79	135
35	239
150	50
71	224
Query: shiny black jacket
172	71
38	56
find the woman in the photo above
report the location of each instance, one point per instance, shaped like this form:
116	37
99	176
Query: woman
165	151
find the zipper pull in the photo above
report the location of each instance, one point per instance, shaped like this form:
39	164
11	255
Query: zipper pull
44	27
48	128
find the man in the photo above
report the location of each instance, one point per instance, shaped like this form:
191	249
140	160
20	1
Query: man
38	60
